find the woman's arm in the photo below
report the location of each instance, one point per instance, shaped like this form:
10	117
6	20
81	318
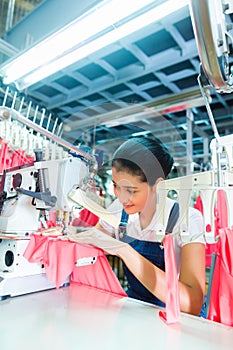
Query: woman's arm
192	271
191	280
101	228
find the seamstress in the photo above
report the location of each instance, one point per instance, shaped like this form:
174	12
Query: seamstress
137	167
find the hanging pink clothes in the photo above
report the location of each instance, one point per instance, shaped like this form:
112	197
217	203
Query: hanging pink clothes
221	215
172	313
19	158
11	158
221	297
220	221
4	156
59	257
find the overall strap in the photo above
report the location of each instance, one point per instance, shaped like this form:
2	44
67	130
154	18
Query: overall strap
173	217
123	224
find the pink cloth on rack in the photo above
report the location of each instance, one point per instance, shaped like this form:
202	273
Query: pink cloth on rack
220	221
19	158
59	257
4	156
10	158
172	313
221	297
221	215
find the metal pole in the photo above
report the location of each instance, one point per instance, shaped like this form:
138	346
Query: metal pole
10	14
189	139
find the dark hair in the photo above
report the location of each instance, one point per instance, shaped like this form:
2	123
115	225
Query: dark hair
144	157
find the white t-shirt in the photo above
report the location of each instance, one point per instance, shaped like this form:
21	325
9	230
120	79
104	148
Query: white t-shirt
196	227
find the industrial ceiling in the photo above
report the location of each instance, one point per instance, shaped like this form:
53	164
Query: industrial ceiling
144	83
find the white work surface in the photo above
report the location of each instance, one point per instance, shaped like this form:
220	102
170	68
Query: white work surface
83	318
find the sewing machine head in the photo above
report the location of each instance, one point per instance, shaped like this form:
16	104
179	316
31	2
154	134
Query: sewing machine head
29	191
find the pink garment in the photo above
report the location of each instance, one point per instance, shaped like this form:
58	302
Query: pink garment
85	219
4	156
19	158
221	215
221	221
172	296
35	249
59	258
98	275
221	297
11	158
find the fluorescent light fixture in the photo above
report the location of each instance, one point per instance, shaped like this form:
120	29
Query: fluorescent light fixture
141	133
104	24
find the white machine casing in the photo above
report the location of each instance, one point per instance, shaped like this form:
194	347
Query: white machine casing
21	215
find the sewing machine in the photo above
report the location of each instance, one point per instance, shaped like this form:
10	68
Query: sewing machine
31	197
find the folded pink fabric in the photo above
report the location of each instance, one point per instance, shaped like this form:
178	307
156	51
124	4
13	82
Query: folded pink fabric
35	249
172	296
85	219
59	257
221	297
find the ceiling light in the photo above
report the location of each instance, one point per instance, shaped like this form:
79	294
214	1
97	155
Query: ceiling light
108	22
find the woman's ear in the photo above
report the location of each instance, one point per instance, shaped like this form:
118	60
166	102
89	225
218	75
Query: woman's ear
156	183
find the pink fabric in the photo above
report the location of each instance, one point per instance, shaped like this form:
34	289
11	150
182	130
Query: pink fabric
35	249
59	257
85	219
4	156
19	158
221	298
98	275
221	221
172	296
11	158
221	211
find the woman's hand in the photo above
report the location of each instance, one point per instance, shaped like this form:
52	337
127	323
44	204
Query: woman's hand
98	239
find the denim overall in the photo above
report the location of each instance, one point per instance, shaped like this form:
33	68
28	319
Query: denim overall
152	251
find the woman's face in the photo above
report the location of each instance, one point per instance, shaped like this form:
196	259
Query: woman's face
133	194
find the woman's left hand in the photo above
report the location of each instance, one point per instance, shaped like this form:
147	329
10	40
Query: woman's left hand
98	239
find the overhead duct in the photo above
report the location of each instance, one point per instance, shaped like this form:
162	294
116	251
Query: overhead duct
135	112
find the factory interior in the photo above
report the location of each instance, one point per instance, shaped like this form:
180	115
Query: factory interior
79	78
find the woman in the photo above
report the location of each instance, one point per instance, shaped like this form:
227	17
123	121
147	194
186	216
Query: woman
137	167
